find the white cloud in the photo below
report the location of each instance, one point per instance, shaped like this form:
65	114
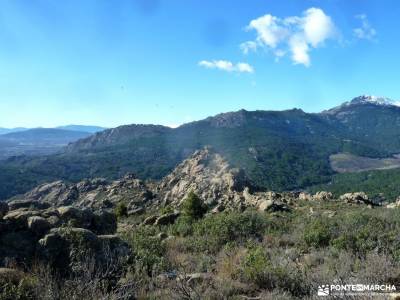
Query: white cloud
297	35
299	48
227	66
249	46
366	31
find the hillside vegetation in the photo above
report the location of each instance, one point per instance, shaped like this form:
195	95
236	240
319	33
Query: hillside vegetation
286	150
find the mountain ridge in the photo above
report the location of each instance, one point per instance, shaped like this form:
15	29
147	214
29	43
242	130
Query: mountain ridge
279	150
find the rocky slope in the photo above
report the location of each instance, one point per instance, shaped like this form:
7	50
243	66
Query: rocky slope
33	232
206	173
279	150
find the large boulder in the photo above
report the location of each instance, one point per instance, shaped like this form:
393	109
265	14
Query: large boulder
38	225
77	247
356	198
305	196
322	196
65	248
272	206
76	217
18	219
394	204
31	204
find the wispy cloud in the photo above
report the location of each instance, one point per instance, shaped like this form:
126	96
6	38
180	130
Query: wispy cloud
296	35
227	66
365	31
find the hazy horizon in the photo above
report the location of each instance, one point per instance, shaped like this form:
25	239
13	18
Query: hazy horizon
172	125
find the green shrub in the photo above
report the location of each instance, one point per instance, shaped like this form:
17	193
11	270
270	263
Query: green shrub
148	249
193	207
255	266
121	210
317	234
182	227
214	231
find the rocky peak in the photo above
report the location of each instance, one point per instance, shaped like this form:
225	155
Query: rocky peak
118	135
228	120
364	100
206	173
369	99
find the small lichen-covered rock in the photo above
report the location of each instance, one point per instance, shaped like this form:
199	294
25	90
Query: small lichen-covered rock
167	219
323	196
136	211
150	220
305	196
272	206
265	205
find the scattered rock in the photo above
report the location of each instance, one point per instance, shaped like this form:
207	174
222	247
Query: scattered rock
265	205
195	278
356	198
272	206
219	208
150	220
136	211
18	219
162	235
322	196
32	204
305	196
167	219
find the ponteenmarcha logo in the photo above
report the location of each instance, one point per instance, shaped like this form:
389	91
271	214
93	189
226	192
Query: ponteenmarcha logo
353	289
323	290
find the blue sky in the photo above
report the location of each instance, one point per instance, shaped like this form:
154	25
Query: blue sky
172	61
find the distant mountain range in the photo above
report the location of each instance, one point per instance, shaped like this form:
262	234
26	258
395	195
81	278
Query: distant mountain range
11	130
83	128
41	141
278	150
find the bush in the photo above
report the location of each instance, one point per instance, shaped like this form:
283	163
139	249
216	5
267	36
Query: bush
317	234
215	231
193	207
148	249
255	266
121	210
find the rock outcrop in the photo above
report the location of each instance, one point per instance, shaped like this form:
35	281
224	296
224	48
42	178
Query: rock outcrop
207	173
210	176
94	193
395	204
60	236
356	198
